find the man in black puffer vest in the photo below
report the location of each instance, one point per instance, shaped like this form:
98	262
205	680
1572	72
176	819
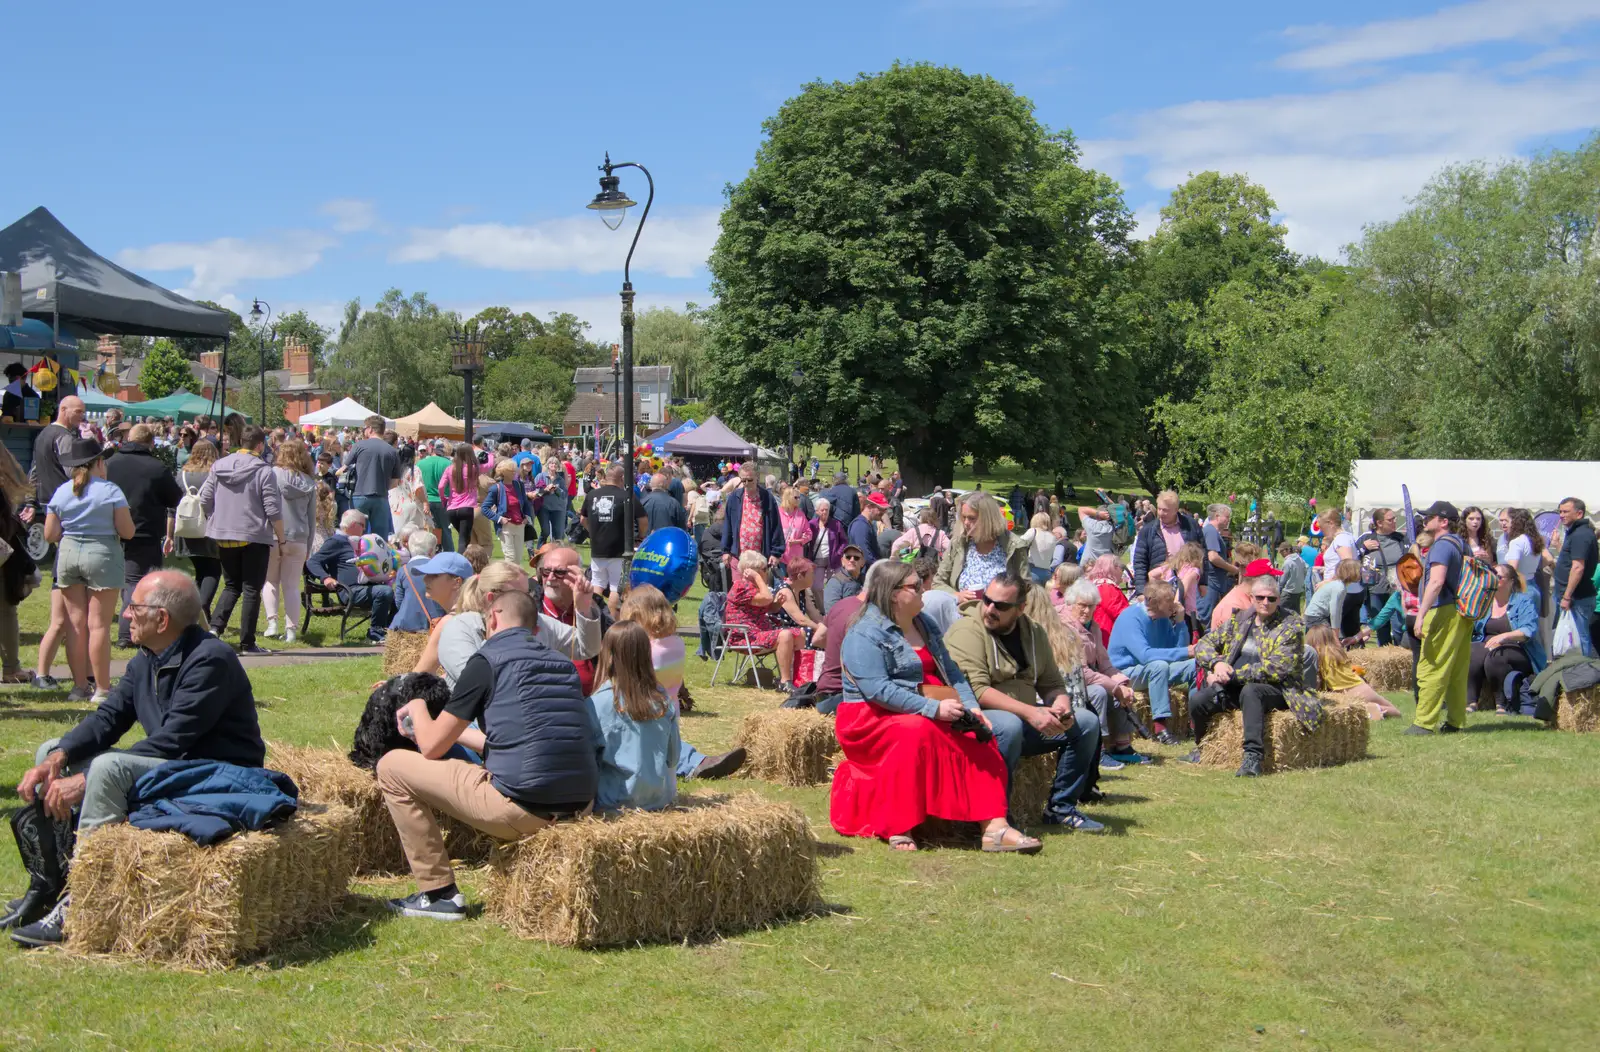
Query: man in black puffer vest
540	754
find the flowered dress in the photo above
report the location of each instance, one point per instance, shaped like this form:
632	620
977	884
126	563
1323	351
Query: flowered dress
742	610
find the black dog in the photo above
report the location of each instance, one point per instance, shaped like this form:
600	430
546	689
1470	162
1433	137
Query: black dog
377	732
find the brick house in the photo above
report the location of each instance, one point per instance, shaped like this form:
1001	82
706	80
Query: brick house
297	384
108	358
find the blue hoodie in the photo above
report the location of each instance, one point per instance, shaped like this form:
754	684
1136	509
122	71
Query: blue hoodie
1137	639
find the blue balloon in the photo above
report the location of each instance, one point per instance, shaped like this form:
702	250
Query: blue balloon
667	560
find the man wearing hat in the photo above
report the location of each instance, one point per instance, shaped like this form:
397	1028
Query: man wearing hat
848	581
17	388
1445	635
863	532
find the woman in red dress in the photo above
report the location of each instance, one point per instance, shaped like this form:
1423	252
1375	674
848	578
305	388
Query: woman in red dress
904	761
752	602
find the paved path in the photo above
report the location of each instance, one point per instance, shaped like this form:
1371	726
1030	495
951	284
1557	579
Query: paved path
306	656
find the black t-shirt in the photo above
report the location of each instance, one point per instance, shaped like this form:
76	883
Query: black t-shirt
603	511
1012	641
472	690
53	441
1579	544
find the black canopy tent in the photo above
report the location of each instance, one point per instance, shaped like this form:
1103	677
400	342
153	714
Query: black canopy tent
512	432
64	280
73	288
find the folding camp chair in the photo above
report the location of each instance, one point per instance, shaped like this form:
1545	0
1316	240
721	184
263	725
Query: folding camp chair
750	658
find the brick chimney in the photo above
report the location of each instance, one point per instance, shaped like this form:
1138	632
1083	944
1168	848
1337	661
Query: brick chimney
297	359
211	360
109	350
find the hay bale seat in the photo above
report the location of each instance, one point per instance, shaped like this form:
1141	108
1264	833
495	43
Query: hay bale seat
327	776
1385	669
1340	737
401	650
1178	693
704	867
1030	791
160	897
787	746
1578	711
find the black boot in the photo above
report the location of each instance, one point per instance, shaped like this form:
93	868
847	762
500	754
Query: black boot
39	842
1250	767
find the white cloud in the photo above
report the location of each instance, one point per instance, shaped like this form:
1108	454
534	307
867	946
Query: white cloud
1338	159
1465	25
676	246
218	266
350	215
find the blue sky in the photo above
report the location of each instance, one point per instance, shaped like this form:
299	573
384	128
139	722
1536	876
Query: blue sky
310	153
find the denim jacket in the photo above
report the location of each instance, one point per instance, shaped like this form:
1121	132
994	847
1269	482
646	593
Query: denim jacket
880	666
1523	613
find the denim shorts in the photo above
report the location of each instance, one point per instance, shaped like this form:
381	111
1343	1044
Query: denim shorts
92	561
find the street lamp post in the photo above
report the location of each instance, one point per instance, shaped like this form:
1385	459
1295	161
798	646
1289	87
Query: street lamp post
261	349
795	378
466	358
612	202
616	396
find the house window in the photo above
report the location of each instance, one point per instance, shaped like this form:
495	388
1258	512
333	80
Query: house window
586	430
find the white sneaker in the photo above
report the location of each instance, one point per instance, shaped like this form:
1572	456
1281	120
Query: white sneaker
289	635
272	628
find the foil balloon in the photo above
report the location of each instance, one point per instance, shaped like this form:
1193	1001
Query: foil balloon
374	560
667	559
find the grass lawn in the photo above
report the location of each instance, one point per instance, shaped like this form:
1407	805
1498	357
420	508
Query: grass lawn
1442	894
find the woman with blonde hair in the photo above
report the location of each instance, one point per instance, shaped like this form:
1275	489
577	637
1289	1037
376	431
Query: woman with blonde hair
751	603
286	564
797	529
1061	578
1183	570
1041	541
981	549
88	520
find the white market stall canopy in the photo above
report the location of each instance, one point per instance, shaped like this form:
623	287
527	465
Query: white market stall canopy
347	412
1538	485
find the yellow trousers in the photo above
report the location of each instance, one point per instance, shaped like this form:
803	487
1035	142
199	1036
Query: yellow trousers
1442	670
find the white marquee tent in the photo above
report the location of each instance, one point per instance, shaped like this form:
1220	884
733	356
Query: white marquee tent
347	412
1538	485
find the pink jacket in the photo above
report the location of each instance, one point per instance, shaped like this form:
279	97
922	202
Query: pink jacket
1097	667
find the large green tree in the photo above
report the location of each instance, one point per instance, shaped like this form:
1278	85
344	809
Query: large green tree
166	370
1275	415
1477	323
1215	229
938	265
663	336
407	340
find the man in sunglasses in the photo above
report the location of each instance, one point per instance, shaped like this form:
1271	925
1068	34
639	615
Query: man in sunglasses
1007	659
1257	665
847	582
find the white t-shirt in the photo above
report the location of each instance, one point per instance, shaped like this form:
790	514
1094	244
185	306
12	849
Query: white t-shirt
1520	554
1331	558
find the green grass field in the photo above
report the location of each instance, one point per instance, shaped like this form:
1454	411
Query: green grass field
1441	894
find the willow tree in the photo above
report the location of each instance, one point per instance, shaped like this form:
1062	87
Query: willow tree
944	275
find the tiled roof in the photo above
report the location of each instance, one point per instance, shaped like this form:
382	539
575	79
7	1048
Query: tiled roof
642	374
587	406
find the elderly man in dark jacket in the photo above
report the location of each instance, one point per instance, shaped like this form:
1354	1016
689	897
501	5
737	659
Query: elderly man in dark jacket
334	564
1169	529
771	529
185	688
842	496
152	493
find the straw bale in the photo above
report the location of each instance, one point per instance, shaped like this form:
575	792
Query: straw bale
1579	710
326	776
1178	693
699	869
1384	668
1340	737
1030	789
401	650
160	897
787	746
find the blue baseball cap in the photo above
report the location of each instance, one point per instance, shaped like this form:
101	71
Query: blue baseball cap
444	562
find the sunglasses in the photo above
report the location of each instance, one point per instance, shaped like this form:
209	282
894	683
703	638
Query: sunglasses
998	604
1265	598
559	571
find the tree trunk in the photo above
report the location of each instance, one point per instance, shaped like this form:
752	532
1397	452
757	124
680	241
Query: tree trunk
922	469
980	466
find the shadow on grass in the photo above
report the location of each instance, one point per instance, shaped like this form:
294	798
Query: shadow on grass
1510	723
351	929
828	849
45	715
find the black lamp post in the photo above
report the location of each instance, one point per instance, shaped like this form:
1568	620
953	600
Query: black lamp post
256	319
616	396
466	358
795	378
613	205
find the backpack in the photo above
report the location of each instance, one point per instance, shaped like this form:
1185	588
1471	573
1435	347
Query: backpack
713	608
924	548
190	517
1475	590
1376	574
1121	525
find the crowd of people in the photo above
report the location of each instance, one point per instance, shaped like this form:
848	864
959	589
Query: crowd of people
946	649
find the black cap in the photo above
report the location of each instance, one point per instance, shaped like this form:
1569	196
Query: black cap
83	451
1442	509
